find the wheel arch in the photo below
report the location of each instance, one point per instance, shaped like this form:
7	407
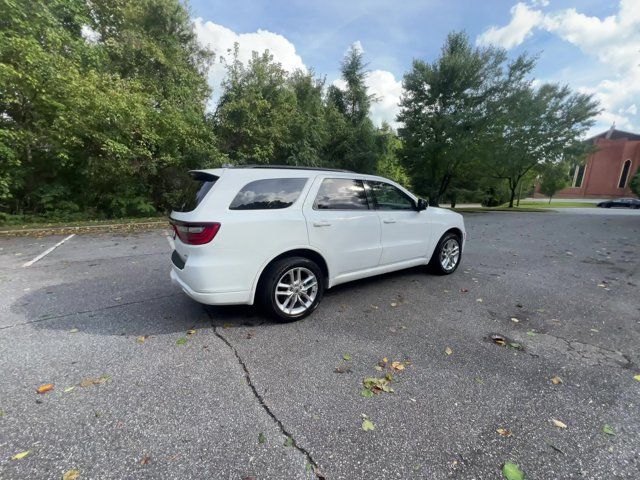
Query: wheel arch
305	252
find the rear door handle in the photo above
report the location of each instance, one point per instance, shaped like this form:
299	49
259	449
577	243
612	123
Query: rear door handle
389	220
322	223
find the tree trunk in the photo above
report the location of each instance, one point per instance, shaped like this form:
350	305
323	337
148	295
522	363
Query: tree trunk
513	196
549	199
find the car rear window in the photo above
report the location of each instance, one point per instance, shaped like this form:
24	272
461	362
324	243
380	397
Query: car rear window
194	191
267	194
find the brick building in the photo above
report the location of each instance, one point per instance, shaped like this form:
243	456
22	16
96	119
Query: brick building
607	172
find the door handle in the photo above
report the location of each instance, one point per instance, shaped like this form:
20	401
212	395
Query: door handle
321	223
389	220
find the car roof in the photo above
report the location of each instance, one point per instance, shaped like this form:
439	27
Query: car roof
272	171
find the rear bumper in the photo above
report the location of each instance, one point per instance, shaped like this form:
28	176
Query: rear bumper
211	298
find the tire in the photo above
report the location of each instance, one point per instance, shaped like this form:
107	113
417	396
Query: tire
286	304
444	249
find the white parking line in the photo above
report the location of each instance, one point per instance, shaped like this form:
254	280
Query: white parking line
171	242
48	251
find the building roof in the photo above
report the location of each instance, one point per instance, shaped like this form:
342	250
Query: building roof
614	134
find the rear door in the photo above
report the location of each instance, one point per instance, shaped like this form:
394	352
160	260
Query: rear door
405	232
342	226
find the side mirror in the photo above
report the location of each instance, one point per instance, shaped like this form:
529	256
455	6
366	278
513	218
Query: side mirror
421	204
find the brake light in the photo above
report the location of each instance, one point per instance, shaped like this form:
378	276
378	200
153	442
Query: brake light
196	234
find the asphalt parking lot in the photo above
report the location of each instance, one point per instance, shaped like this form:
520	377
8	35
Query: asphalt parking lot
149	384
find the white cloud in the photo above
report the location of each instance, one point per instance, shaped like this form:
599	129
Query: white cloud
221	41
523	21
387	90
89	34
614	41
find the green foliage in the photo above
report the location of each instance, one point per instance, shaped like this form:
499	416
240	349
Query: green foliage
554	178
444	112
94	123
388	145
536	127
634	185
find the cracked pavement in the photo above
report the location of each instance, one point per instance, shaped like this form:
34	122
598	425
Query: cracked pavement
224	403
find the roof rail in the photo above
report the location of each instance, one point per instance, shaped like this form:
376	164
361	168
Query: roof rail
288	167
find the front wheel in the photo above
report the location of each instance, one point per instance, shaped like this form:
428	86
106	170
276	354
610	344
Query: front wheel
291	288
446	256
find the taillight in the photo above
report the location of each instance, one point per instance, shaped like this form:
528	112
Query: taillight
196	234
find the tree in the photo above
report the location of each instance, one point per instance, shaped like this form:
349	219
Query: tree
387	147
100	102
635	184
537	127
351	134
554	178
444	110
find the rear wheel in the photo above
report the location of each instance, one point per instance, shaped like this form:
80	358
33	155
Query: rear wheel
446	257
291	288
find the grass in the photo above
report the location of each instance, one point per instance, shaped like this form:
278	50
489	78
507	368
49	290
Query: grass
61	227
44	223
499	209
556	204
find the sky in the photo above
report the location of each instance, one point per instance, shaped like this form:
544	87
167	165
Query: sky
591	45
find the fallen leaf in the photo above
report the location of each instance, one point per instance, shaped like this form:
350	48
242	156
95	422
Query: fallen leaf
531	333
342	369
389	377
637	377
397	366
556	380
515	346
479	381
511	471
288	442
367	425
378	368
145	460
69	389
385	360
87	382
21	455
191	332
142	338
366	393
498	340
514	320
262	438
346	357
227	325
464	290
45	388
505	432
448	351
479	300
181	341
73	330
71	475
377	385
558	423
393	304
608	430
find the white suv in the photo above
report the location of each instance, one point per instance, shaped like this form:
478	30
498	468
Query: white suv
280	236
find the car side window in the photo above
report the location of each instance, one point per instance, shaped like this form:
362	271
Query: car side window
341	194
388	197
267	194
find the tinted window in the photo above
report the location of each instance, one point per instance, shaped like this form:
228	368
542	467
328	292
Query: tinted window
268	194
194	191
341	194
388	197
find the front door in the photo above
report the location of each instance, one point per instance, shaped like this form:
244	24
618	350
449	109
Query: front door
405	233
